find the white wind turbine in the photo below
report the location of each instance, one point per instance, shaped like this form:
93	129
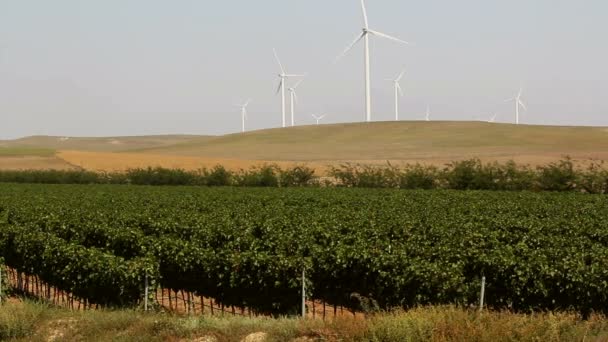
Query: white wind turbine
518	102
427	116
365	36
318	118
493	118
283	76
243	114
293	99
398	92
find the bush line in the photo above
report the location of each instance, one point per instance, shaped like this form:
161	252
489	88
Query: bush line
562	176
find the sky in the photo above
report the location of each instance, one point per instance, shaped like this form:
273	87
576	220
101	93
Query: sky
138	67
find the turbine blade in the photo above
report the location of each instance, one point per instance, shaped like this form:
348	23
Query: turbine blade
247	103
365	21
401	75
400	90
297	84
522	104
359	37
280	85
276	56
295	95
386	36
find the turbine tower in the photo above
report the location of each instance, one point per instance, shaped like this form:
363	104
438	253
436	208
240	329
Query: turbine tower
428	113
283	78
518	102
293	99
398	92
318	118
243	114
365	36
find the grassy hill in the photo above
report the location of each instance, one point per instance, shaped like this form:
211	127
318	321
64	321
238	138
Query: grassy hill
103	144
411	141
19	151
319	146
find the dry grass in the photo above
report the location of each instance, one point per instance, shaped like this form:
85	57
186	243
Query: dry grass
106	161
102	144
404	141
431	143
28	321
34	163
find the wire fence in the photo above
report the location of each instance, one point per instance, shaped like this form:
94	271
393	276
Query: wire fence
159	299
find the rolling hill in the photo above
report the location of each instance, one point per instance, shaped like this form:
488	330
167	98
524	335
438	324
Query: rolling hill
102	144
319	146
406	141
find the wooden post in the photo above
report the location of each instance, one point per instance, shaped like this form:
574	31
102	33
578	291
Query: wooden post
146	292
303	293
482	294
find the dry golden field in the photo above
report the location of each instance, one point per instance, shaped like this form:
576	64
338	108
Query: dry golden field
108	161
433	143
34	163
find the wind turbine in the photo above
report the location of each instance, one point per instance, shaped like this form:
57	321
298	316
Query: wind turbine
518	102
283	76
365	36
398	92
428	113
293	97
244	114
493	118
318	118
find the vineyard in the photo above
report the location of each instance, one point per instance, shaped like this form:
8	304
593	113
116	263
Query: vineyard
364	249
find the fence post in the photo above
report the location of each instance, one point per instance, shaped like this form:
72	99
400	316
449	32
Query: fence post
146	292
482	294
303	293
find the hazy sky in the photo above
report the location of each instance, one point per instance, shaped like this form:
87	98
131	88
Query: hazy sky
132	67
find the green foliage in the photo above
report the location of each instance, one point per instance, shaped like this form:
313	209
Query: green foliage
297	176
52	177
160	176
218	176
595	179
264	176
462	175
560	176
418	177
385	248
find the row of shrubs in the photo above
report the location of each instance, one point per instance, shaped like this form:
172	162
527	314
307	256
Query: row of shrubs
475	175
462	175
263	176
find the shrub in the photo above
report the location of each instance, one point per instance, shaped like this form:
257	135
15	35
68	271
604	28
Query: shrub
418	177
465	175
264	176
160	176
297	176
595	179
218	176
559	176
